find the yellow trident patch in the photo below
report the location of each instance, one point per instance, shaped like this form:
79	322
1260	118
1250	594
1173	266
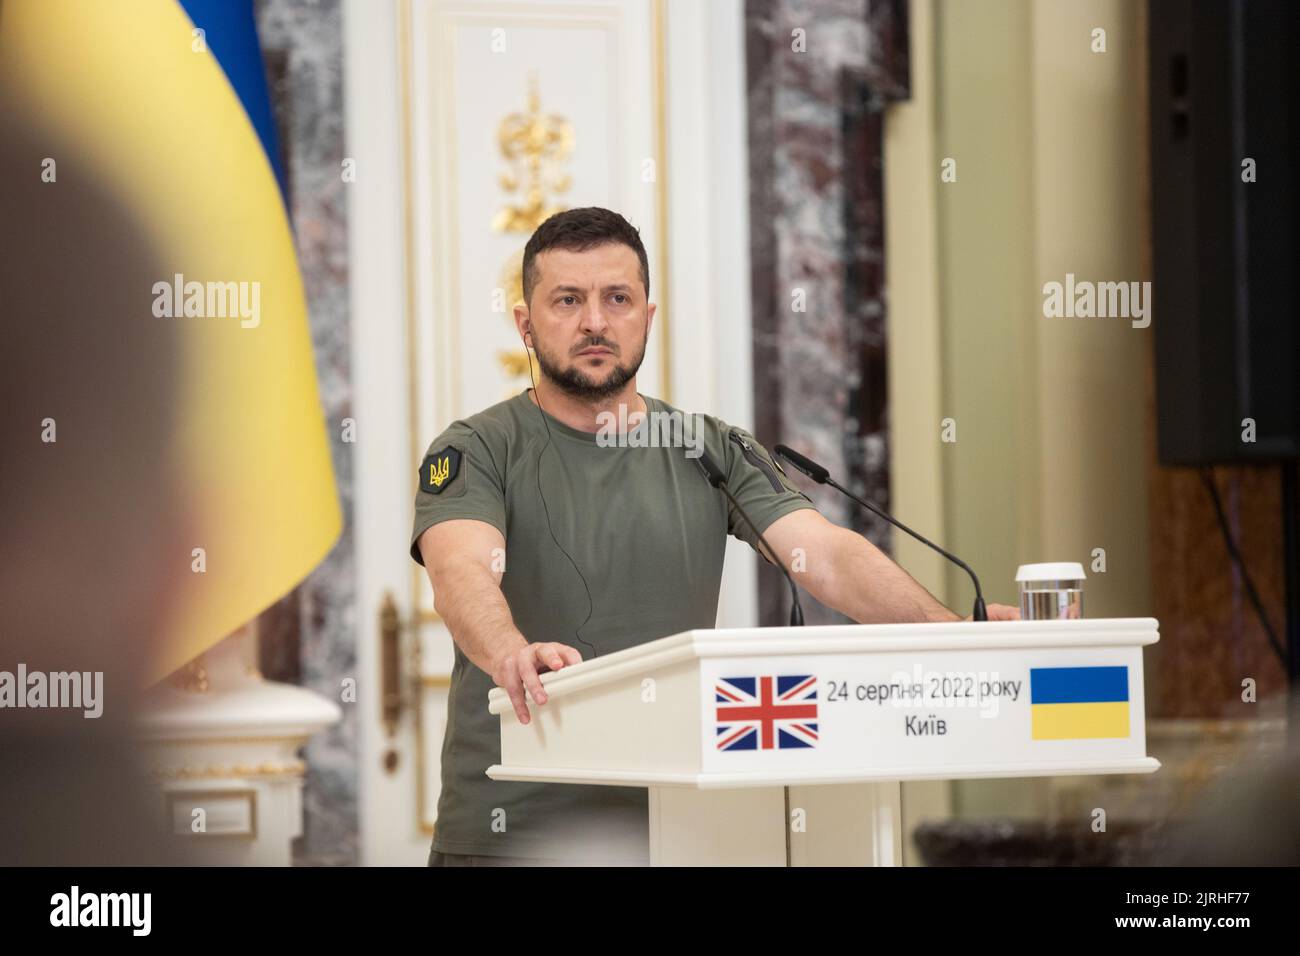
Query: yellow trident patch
439	470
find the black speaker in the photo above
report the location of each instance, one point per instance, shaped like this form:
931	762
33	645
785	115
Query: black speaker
1224	93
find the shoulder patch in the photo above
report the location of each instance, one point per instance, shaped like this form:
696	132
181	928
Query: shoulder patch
439	469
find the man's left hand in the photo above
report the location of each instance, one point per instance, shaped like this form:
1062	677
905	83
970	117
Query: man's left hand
1001	612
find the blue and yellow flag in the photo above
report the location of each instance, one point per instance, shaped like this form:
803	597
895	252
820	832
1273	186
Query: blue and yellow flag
165	102
1074	703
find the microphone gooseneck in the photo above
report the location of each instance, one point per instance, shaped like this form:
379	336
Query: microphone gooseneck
823	477
715	476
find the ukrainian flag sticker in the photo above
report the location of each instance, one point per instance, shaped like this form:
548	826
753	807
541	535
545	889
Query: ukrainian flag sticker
1078	703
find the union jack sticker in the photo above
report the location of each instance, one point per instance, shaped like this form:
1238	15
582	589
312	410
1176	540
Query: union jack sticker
766	712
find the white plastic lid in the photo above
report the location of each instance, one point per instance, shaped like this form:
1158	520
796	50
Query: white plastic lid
1052	571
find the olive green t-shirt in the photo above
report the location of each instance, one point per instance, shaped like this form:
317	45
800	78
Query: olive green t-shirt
646	531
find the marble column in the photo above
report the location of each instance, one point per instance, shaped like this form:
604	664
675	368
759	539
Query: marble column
302	43
819	75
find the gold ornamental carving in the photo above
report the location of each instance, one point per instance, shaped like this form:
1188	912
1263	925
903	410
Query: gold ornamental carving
535	146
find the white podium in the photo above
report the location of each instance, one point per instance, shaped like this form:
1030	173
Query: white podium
787	746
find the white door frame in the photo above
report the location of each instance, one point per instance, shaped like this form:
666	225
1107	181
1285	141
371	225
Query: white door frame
709	303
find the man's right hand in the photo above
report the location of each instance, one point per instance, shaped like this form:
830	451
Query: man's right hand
519	669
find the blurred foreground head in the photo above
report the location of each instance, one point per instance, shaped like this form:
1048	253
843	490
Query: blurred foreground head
92	554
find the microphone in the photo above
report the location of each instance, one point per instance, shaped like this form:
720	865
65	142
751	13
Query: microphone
823	477
718	480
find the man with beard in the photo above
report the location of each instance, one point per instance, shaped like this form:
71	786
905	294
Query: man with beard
546	545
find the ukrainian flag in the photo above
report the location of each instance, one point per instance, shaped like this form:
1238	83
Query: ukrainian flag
1075	703
165	102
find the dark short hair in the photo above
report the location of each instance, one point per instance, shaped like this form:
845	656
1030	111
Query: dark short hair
578	230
